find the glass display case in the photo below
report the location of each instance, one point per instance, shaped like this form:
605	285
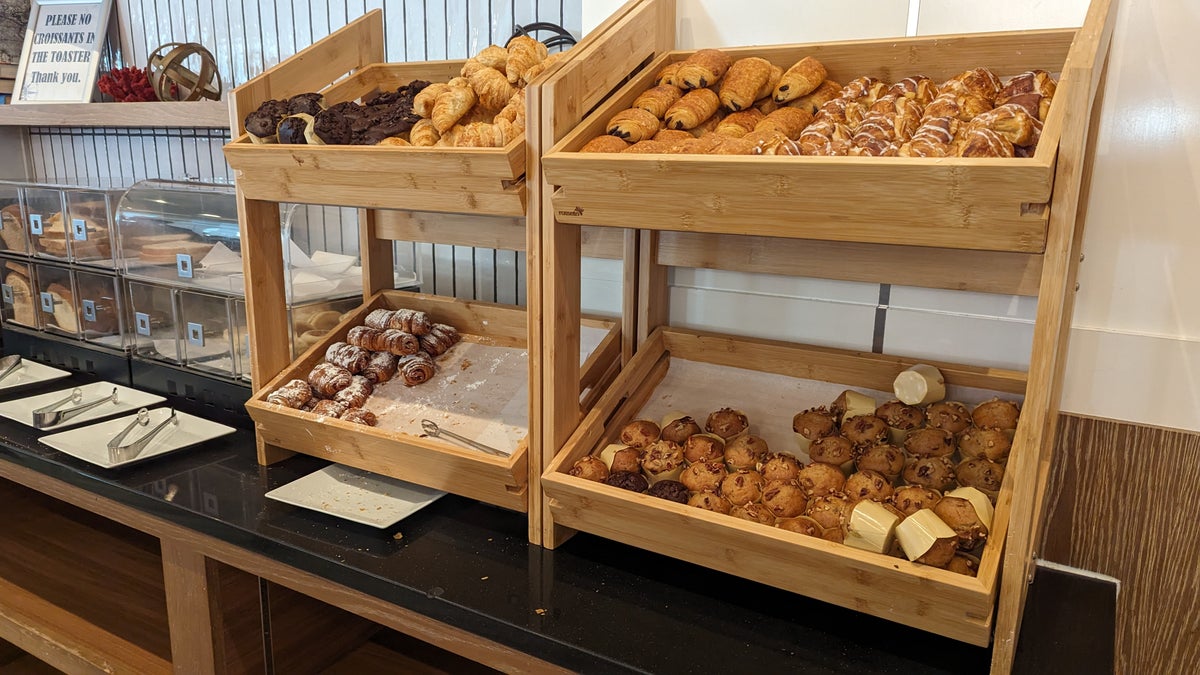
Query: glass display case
14	238
211	332
155	329
18	293
91	222
57	300
48	230
102	318
308	322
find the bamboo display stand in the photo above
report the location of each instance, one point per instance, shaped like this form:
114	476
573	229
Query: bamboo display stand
1009	226
462	196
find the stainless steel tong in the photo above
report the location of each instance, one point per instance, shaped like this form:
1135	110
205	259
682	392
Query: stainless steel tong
50	415
123	453
8	364
431	428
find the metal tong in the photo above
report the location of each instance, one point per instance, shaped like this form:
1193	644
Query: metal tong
8	364
123	453
430	427
50	415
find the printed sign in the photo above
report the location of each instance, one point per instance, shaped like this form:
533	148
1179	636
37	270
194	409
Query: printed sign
62	51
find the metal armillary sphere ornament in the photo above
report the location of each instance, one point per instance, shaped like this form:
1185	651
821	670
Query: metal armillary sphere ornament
173	80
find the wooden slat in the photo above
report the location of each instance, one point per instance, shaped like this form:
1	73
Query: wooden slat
960	270
236	609
189	612
376	252
181	114
262	265
500	232
308	635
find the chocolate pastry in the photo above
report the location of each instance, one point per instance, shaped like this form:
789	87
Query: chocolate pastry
333	127
379	319
356	394
329	408
309	104
590	468
639	433
710	501
627	480
353	359
704	476
294	394
360	416
781	467
755	513
868	485
381	367
327	379
670	490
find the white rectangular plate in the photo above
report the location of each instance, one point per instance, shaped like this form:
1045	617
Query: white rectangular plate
355	495
31	372
90	443
21	410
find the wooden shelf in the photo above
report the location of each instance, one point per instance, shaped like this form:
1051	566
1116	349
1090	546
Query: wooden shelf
202	114
78	591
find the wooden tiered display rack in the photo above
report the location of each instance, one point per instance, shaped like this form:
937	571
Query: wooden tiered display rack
463	196
1009	226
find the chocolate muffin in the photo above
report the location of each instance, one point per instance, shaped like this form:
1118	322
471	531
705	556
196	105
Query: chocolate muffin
982	474
704	448
864	430
333	127
930	442
640	433
743	487
745	452
590	468
704	476
820	479
814	423
961	516
949	415
263	121
396	119
753	512
670	490
784	498
292	129
628	480
680	429
727	423
883	458
835	450
780	467
996	414
868	485
309	104
801	525
663	460
993	444
913	498
930	472
710	501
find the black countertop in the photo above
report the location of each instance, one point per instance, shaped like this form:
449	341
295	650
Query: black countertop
592	605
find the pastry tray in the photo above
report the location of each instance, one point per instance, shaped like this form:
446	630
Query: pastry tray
89	443
21	410
356	495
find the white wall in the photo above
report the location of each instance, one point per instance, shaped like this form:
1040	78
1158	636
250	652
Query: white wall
1135	349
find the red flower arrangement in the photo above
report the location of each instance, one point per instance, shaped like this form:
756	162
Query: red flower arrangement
127	85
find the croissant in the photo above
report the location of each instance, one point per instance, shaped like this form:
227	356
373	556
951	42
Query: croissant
692	110
672	136
934	138
378	318
492	88
766	105
803	77
515	108
710	125
696	146
294	394
739	124
381	366
471	67
1009	120
769	142
523	53
353	359
788	121
605	143
767	91
962	106
734	146
983	142
666	75
423	134
493	56
812	101
1029	82
479	113
486	135
415	369
328	408
744	80
658	99
530	75
634	124
394	141
359	416
411	321
398	342
451	106
355	394
702	69
423	101
979	82
327	379
459	82
918	88
648	148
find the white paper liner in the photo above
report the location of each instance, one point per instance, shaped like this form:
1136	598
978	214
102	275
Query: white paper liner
480	391
768	399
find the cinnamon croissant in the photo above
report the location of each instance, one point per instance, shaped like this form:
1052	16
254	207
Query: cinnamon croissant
743	81
294	394
864	89
359	416
423	101
415	369
381	366
378	318
353	359
450	106
523	53
692	110
1031	81
410	321
605	143
327	379
790	122
424	135
770	142
492	88
1035	104
812	101
803	77
398	342
355	394
328	408
667	74
658	99
634	124
739	124
703	69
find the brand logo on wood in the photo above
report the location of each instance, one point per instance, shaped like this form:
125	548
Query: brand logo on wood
573	213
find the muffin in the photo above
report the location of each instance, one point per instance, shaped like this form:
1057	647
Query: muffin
780	466
743	487
982	474
680	429
801	525
663	460
704	448
627	480
851	403
819	479
835	450
996	414
868	485
745	452
883	458
951	416
670	490
727	423
913	498
590	468
930	442
640	433
901	418
963	564
753	512
626	459
864	430
831	512
930	472
993	444
812	424
784	498
710	501
704	476
962	517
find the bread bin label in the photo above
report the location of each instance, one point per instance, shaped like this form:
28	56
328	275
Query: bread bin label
47	302
183	264
89	311
142	320
35	224
6	292
195	334
79	229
